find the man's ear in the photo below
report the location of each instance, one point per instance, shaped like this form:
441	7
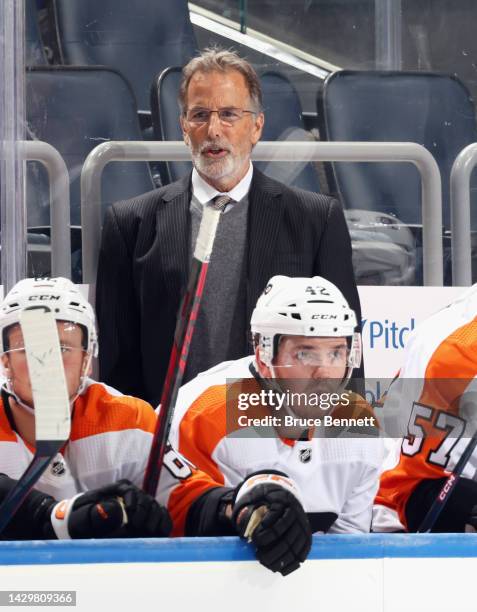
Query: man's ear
185	130
262	368
258	128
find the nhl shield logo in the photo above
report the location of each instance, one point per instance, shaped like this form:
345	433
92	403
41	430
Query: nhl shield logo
305	455
58	468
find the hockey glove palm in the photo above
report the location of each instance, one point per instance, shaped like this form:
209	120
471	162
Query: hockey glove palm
268	513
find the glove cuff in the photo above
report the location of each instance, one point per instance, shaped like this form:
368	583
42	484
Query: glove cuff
261	478
60	515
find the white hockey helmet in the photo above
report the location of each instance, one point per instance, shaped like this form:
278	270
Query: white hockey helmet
303	307
60	295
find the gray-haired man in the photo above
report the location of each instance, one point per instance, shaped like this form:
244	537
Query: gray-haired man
267	229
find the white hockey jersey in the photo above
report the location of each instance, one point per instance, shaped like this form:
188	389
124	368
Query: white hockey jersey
435	396
111	435
336	475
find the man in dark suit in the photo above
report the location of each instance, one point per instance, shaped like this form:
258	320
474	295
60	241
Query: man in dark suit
266	229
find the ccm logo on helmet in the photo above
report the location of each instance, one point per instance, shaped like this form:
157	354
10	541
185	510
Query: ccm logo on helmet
324	316
43	298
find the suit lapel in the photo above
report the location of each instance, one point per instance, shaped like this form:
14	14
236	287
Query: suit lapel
172	236
265	215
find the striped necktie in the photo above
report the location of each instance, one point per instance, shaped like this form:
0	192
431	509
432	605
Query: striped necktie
220	202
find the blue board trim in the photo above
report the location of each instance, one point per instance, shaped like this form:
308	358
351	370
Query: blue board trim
370	546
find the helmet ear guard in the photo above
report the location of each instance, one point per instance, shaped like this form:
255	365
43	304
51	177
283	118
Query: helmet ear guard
356	351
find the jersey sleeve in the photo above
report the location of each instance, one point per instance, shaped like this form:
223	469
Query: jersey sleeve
356	515
180	486
201	429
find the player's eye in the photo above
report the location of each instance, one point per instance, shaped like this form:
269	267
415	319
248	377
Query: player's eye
306	357
338	354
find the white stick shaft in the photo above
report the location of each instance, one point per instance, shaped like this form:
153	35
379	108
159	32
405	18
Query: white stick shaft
47	375
206	236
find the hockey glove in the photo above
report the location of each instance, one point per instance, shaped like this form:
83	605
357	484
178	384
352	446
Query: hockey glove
268	513
117	510
32	519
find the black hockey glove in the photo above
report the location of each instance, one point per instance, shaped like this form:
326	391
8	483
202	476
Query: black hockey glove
117	510
268	513
32	520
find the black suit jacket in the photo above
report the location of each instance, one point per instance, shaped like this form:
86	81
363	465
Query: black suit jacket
143	267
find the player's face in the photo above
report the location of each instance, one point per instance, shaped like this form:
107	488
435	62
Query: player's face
308	366
74	360
220	149
311	363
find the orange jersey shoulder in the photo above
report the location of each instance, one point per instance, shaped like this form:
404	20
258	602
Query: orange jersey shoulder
98	411
209	419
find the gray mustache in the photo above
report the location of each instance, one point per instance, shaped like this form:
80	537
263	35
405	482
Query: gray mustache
214	145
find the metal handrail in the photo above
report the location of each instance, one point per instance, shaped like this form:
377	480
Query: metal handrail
409	152
36	150
461	171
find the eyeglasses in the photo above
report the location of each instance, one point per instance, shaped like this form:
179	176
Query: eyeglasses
227	116
335	357
67	352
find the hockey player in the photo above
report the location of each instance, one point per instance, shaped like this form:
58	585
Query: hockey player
435	396
257	413
92	487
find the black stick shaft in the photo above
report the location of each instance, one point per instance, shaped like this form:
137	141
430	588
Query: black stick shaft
439	503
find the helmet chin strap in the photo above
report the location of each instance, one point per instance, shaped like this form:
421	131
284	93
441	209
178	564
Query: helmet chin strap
9	389
83	377
273	385
277	387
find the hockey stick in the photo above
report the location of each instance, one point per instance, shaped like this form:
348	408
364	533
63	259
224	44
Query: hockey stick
449	485
51	401
186	321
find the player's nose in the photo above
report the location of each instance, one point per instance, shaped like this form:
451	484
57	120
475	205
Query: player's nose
319	371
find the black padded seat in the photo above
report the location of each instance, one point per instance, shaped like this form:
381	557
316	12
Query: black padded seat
75	109
434	110
139	38
34	51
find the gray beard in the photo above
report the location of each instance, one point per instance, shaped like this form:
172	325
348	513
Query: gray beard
218	169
